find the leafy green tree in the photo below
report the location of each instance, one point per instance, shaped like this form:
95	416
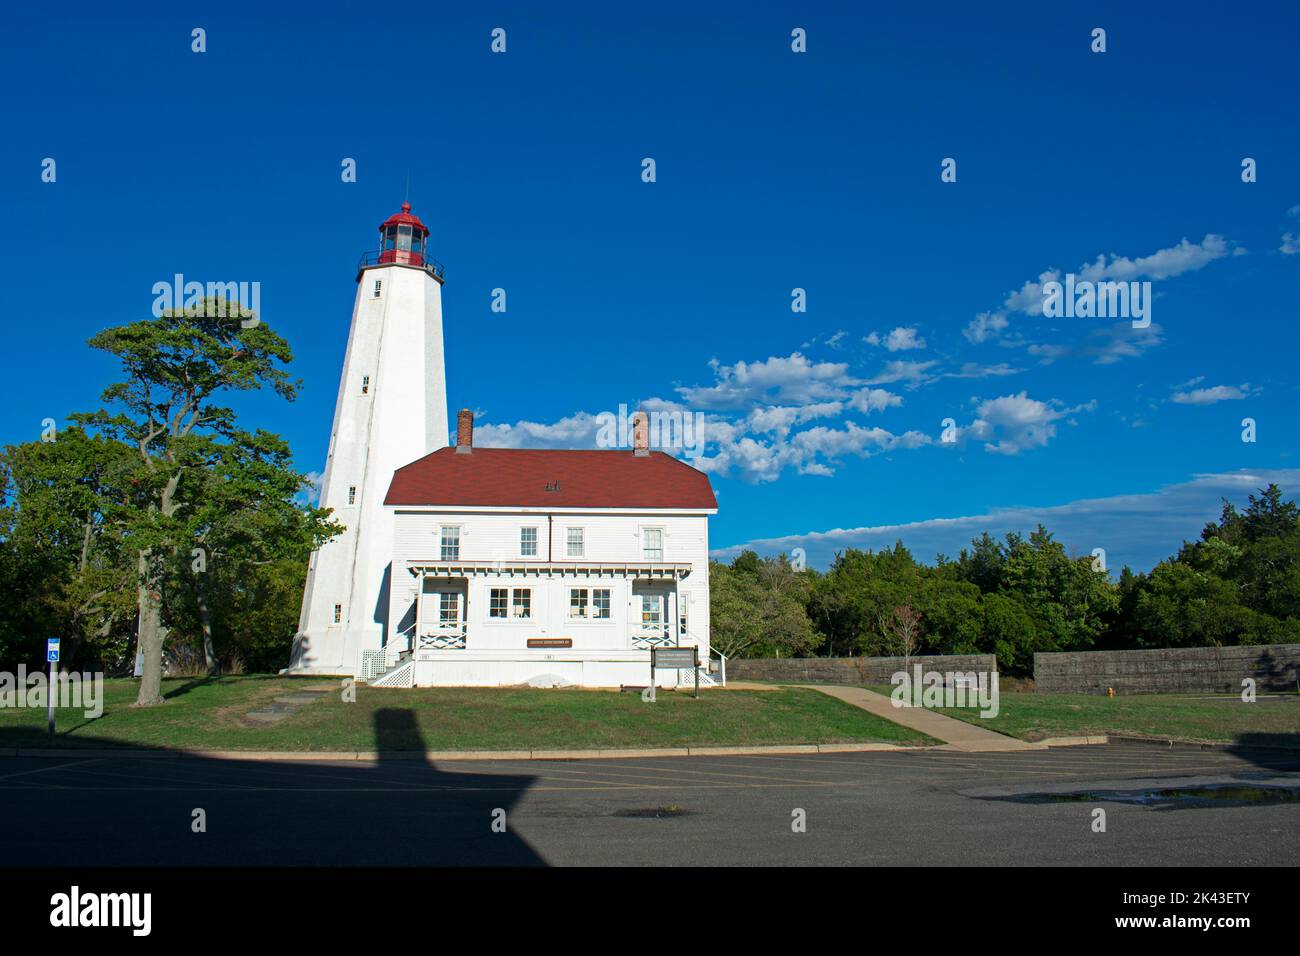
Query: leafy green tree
175	369
64	547
758	608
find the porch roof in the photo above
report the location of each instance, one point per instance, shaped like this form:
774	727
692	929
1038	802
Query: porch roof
659	570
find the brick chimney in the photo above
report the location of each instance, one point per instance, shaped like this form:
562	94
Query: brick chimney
641	434
464	432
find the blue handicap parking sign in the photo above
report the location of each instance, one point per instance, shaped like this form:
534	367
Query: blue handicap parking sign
52	650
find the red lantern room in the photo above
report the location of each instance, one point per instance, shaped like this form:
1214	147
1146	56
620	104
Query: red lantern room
403	238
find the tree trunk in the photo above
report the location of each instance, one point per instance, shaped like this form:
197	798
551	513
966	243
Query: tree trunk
205	619
149	634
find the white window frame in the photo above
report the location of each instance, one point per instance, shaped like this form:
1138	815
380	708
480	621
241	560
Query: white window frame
657	623
524	552
443	543
584	604
645	547
512	604
443	610
352	494
590	604
378	289
365	384
338	613
581	543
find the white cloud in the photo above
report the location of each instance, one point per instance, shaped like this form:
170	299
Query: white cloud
1135	529
1011	424
901	339
1105	345
868	400
778	380
1162	264
976	370
576	431
1159	265
781	418
914	373
984	325
1218	393
1290	244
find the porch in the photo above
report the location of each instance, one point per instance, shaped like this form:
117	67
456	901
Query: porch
492	621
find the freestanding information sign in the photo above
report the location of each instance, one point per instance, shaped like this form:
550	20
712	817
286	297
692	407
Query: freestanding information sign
675	658
52	655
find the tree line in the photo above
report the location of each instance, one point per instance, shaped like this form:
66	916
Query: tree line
1239	583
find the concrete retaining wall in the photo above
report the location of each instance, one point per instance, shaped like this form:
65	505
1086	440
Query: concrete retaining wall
1185	669
850	670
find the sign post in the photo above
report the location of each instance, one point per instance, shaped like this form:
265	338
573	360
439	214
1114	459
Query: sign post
52	655
675	658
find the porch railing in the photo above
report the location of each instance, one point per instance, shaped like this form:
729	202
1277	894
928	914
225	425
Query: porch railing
441	637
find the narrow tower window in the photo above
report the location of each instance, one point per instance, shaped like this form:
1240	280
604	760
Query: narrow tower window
352	494
379	285
365	384
338	613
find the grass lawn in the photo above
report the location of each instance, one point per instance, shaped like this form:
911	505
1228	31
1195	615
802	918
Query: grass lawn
1269	721
207	715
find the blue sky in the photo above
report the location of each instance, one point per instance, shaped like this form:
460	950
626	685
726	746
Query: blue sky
774	171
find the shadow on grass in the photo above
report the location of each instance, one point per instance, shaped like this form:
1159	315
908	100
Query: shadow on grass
81	808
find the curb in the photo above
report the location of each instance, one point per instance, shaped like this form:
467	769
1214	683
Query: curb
344	756
1172	743
1073	741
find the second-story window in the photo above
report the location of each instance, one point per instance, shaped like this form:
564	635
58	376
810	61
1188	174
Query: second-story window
450	542
576	544
652	544
528	542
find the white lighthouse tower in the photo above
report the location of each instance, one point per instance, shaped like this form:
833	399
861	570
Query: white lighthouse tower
391	410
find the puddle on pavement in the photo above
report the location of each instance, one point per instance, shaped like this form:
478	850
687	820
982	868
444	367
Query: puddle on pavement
1171	798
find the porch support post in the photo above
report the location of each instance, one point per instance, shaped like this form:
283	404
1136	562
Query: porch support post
419	605
673	621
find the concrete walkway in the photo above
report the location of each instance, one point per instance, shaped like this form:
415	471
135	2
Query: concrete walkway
956	734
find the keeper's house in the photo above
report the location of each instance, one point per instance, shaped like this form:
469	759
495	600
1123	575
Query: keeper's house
544	567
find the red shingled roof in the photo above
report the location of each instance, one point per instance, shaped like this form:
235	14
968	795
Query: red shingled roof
518	477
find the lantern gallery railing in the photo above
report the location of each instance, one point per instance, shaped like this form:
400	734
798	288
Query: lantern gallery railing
402	258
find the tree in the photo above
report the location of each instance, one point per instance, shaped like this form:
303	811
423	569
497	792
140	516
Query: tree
241	518
904	626
64	546
175	367
758	608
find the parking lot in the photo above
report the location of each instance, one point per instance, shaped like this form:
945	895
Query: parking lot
923	807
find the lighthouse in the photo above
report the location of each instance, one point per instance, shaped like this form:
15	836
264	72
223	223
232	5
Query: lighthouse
391	410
